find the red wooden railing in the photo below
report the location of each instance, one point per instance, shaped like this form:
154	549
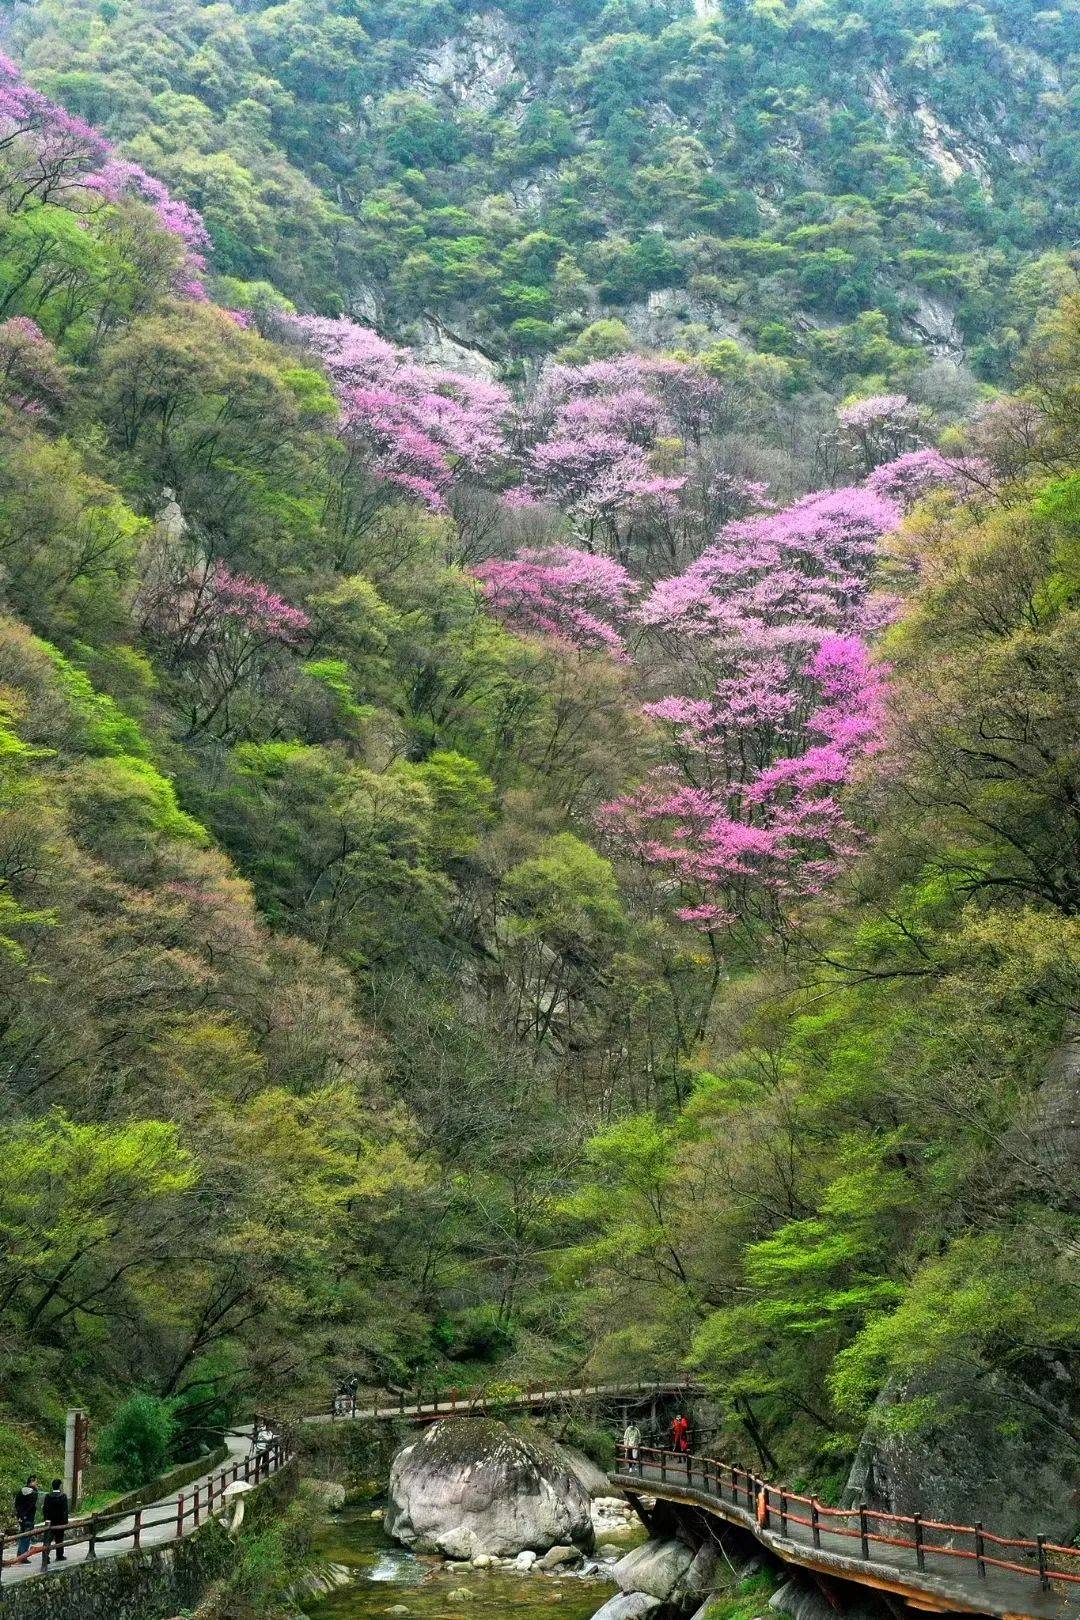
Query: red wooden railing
773	1508
186	1513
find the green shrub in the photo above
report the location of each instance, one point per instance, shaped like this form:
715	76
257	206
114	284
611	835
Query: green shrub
135	1445
476	1334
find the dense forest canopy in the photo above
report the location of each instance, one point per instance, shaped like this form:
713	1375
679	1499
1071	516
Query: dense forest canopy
558	849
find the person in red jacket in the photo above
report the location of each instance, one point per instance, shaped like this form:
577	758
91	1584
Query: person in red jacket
680	1434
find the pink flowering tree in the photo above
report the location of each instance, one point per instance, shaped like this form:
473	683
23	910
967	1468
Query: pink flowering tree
613	450
32	380
912	477
777	700
49	155
881	428
409	429
615	446
571	595
222	635
45	151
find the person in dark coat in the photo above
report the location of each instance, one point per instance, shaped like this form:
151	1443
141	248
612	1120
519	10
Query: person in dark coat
54	1510
26	1501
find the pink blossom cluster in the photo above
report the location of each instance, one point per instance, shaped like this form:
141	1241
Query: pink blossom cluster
571	595
32	380
911	477
592	433
588	444
209	605
881	428
51	156
419	427
253	606
769	577
779	699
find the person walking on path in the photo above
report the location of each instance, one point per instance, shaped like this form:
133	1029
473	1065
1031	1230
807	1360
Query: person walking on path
631	1442
26	1501
680	1434
54	1510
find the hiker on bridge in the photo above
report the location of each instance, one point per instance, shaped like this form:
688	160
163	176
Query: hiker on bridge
55	1512
631	1443
680	1434
26	1501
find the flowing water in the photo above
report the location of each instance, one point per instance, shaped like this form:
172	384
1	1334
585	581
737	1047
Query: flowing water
389	1580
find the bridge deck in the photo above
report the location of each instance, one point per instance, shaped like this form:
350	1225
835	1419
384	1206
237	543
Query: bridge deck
466	1403
948	1582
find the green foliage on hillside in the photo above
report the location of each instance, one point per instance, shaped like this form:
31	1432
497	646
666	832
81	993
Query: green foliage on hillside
333	1037
816	174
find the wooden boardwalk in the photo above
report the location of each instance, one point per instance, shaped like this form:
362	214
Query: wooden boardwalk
940	1568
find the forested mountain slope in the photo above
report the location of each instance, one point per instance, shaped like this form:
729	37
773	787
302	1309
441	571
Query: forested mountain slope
497	879
808	176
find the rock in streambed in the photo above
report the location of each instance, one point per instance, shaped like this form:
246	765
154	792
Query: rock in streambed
470	1487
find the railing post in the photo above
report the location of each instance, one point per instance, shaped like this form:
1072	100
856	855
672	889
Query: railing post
765	1517
195	1506
863	1537
1044	1579
783	1512
920	1555
401	1400
815	1523
136	1533
91	1546
354	1403
734	1484
663	1467
179	1516
980	1561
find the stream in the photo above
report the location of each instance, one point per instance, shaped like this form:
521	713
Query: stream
387	1579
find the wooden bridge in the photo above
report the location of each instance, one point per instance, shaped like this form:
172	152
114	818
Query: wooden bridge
385	1406
932	1566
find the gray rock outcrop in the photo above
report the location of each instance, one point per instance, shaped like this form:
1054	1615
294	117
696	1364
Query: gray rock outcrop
658	1568
703	1574
628	1606
802	1599
472	1486
1004	1451
592	1479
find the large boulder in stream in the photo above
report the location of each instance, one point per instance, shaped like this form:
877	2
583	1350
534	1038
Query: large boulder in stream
472	1486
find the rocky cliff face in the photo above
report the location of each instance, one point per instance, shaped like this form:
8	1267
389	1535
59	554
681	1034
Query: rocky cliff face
1005	1448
